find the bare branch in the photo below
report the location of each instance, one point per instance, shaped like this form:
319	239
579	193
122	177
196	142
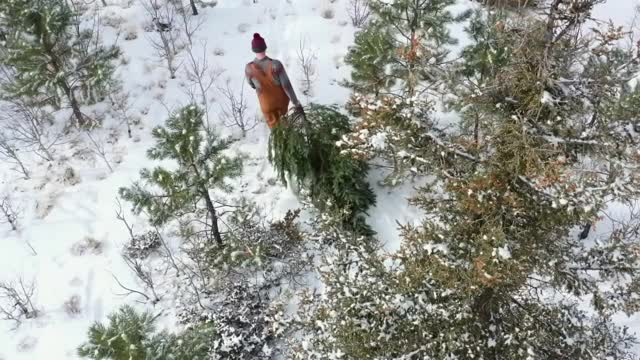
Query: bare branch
234	109
142	274
120	102
9	151
307	62
120	216
166	36
189	24
359	12
130	291
30	128
16	301
99	149
201	79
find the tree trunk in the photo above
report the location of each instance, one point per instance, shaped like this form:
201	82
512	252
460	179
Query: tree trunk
57	66
215	231
194	9
74	103
104	2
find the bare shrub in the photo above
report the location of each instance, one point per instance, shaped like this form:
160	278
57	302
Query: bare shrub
307	62
165	38
120	103
201	77
9	212
30	128
359	12
328	13
70	177
234	108
139	245
72	306
144	275
189	24
16	301
88	245
98	148
9	152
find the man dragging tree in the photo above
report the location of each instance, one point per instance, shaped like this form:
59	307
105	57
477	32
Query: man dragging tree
269	78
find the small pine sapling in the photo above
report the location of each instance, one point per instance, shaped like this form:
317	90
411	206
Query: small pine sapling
48	58
201	166
131	335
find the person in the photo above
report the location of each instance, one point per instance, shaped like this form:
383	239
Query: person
268	77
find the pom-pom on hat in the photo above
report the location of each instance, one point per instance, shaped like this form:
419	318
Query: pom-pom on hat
258	44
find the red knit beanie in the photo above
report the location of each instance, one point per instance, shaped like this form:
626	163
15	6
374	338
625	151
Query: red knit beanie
257	44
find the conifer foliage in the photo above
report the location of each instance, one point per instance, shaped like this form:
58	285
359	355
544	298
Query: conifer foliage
201	166
305	148
497	269
130	335
399	63
48	57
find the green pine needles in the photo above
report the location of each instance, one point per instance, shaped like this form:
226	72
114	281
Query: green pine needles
304	147
201	166
130	335
50	59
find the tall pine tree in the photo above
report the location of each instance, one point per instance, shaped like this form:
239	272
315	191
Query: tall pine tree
201	166
497	269
399	63
48	59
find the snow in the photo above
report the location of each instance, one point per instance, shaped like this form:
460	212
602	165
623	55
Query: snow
57	216
87	209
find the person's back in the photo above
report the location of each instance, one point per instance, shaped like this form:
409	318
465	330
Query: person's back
269	78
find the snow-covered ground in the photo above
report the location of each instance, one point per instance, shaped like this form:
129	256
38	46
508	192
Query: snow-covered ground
58	216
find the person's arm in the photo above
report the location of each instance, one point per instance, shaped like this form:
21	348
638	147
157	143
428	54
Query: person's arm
247	75
286	84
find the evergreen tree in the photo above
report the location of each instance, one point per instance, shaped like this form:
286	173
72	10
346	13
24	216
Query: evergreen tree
304	147
130	335
406	40
201	166
399	63
369	57
497	270
47	58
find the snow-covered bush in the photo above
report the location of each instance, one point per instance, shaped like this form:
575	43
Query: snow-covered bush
248	325
130	335
242	288
271	253
141	245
